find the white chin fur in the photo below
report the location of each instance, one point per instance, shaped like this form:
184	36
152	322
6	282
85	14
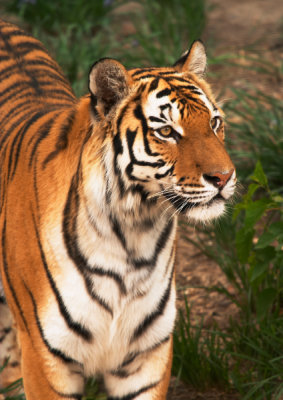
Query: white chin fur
206	213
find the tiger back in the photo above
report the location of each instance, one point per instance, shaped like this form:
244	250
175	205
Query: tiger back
90	190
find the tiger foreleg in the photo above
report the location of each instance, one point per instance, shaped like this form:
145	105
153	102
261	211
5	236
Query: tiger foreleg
144	376
46	376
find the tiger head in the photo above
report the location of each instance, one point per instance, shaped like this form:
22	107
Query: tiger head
166	133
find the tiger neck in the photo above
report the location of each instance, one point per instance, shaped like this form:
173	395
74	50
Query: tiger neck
123	215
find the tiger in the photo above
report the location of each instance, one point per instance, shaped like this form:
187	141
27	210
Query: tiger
90	193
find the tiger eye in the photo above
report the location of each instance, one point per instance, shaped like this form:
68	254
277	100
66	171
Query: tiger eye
166	130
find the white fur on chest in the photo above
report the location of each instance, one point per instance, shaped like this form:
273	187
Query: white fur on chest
144	286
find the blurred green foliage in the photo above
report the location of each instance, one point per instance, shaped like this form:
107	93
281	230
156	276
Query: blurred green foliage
256	122
79	32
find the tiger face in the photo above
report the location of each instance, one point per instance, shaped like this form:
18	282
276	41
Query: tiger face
168	134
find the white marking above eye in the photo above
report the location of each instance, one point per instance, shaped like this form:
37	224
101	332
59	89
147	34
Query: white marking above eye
171	118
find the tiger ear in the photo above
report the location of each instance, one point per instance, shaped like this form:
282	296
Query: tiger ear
193	60
108	83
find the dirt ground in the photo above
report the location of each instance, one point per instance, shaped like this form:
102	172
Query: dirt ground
244	28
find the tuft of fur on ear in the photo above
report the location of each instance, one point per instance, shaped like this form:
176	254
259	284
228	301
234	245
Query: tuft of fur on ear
193	60
108	83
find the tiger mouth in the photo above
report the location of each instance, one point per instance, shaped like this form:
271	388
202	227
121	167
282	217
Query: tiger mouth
183	205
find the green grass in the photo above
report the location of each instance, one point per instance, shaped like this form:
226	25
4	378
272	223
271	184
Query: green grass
256	350
199	359
164	30
49	14
257	134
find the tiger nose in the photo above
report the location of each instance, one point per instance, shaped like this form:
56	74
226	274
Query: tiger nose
218	179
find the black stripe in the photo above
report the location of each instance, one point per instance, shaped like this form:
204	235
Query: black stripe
90	218
141	71
70	238
153	85
14	90
76	327
6	331
14	364
29	45
110	274
158	72
57	93
179	79
118	231
193	185
181	203
168	72
197	101
138	113
5	58
164	106
124	374
6	272
93	106
21	135
168	172
12	49
132	395
45	76
35	186
180	62
164	92
20	49
137	188
118	149
27	106
4	25
76	396
18	122
48	61
161	242
62	138
2	300
15	31
42	134
154	315
132	356
156	119
7	71
56	352
131	135
94	295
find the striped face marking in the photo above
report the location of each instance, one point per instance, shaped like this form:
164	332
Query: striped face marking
166	108
161	112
